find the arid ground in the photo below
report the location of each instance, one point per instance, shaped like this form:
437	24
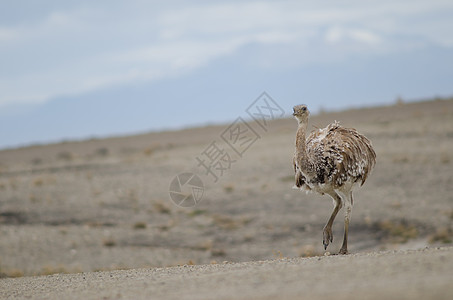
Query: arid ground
408	274
103	204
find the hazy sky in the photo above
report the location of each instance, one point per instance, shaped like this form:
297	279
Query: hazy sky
75	69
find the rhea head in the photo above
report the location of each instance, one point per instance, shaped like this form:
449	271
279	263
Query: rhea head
301	113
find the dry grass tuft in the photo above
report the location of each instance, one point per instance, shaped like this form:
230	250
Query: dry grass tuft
218	252
208	245
229	223
43	180
396	204
196	212
102	152
11	273
140	225
49	270
398	231
109	242
443	235
308	251
36	161
205	246
65	155
228	188
161	208
151	149
33	198
278	254
38	182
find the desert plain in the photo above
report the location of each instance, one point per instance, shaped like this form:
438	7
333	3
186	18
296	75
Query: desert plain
101	208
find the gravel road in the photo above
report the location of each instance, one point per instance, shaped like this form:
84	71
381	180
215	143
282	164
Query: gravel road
414	274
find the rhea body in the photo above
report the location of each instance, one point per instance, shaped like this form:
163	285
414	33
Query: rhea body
333	161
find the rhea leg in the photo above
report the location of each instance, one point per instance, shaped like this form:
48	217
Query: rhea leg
347	216
327	235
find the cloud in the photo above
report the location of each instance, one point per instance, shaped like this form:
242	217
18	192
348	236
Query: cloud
72	50
337	34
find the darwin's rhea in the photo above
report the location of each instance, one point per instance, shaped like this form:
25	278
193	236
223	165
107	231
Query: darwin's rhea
331	161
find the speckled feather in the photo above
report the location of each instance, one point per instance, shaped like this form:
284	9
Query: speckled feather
334	156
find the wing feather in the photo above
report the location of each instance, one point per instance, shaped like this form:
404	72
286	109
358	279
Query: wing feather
340	154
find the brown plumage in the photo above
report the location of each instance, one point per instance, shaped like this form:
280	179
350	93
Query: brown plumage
331	161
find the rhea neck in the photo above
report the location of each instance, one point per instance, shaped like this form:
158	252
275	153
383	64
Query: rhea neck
300	134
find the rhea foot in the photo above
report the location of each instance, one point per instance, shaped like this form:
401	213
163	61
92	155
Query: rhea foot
343	251
327	236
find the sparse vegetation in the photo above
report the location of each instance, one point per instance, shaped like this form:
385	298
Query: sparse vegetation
308	251
89	200
196	212
278	254
190	263
443	235
205	245
43	180
140	225
109	242
398	231
36	161
218	252
102	152
161	208
45	270
38	182
229	223
228	188
396	204
65	155
11	273
49	270
33	198
151	149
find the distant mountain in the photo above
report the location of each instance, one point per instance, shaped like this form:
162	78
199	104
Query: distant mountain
222	90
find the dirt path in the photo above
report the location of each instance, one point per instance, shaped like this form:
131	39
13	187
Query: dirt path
421	274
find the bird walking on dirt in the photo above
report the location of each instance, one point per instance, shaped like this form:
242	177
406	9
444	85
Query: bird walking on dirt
333	161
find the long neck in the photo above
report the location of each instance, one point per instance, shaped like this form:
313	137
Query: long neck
301	149
300	138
